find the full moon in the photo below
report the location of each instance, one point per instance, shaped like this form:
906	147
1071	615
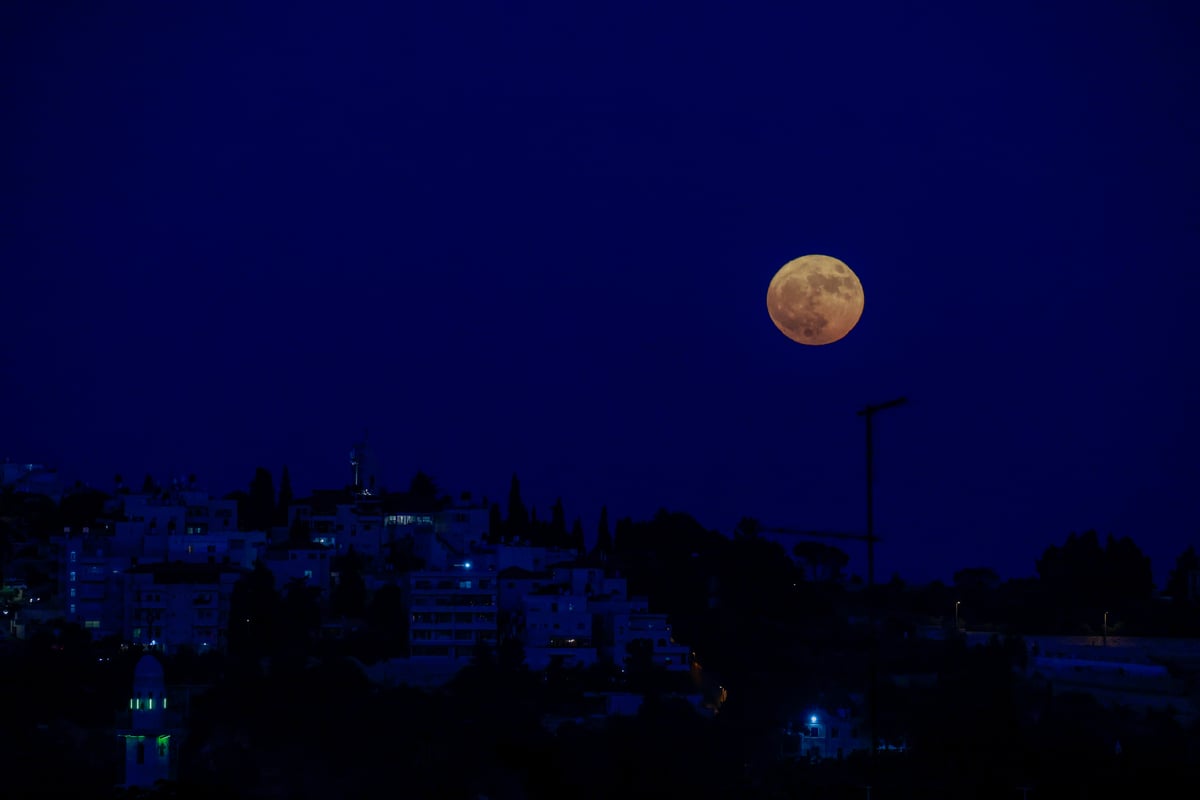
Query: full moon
815	299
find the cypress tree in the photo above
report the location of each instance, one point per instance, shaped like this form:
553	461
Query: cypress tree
604	542
517	523
285	498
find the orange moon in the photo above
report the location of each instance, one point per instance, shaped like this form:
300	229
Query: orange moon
815	299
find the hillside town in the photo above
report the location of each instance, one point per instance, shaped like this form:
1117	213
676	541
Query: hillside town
206	622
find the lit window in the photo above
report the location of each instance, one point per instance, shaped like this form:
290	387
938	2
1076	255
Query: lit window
72	556
72	576
72	608
150	704
72	591
308	573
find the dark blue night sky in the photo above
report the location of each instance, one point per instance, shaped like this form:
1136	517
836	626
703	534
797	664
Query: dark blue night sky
529	237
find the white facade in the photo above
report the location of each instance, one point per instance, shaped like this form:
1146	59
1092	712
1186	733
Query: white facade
91	582
170	606
556	625
619	623
183	525
451	612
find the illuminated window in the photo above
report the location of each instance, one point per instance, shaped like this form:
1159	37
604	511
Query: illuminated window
72	556
308	573
72	608
464	584
149	703
72	576
72	591
91	623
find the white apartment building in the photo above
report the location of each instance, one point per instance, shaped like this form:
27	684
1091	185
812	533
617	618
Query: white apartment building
169	606
91	580
556	624
451	611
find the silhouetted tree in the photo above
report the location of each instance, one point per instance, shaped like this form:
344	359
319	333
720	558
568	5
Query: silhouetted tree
254	614
747	528
260	506
423	494
388	621
149	486
82	508
402	555
301	618
623	538
285	497
1128	569
300	532
1179	581
243	503
517	523
1081	577
349	596
558	523
495	524
604	541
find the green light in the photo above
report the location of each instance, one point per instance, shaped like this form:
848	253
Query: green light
150	704
131	702
164	702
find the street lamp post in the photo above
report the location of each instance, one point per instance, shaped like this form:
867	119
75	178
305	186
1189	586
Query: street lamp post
1104	640
956	604
868	413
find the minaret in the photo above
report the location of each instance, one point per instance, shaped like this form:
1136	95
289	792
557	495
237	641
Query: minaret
147	740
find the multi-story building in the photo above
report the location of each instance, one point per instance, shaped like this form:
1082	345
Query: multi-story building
307	562
90	580
515	584
341	519
173	605
451	611
619	622
556	625
182	525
